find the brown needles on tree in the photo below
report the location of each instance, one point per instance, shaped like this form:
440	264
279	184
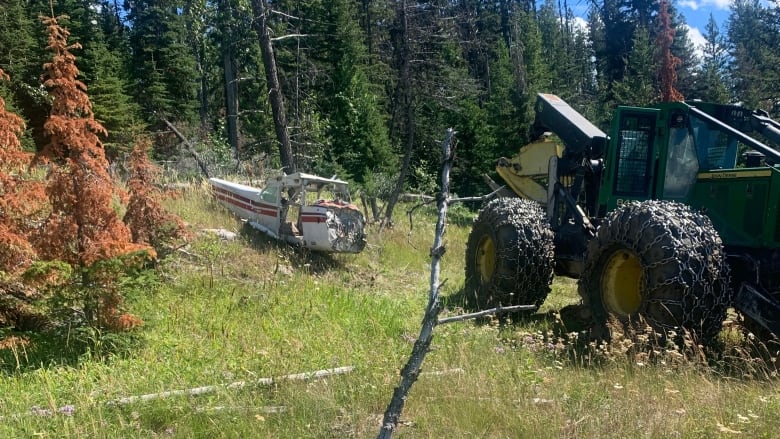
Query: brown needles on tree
667	62
148	221
20	198
82	228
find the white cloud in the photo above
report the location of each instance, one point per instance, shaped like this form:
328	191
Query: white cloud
711	4
690	4
697	39
580	23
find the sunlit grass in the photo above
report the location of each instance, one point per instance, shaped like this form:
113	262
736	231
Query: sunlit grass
219	312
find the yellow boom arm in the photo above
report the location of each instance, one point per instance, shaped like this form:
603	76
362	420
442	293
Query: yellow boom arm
522	171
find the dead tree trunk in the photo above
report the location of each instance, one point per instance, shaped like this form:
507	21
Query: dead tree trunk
274	87
411	370
231	100
231	85
190	148
406	98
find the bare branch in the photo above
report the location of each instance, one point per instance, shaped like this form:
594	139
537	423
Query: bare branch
188	144
487	312
450	201
273	11
284	37
318	374
482	198
411	370
235	385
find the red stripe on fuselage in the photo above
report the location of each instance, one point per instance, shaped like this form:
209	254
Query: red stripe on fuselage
229	198
243	199
313	218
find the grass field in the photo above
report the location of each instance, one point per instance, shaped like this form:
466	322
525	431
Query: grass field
222	312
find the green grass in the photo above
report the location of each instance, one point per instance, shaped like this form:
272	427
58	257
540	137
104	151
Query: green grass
239	311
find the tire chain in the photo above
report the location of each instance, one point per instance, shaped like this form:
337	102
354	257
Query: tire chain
531	251
693	245
534	267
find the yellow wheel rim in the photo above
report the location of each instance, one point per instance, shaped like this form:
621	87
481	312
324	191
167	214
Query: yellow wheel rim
621	283
486	259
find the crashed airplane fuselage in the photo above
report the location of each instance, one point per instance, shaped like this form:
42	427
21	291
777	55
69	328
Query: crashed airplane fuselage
303	209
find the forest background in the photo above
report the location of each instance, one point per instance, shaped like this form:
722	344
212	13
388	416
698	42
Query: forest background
370	86
369	89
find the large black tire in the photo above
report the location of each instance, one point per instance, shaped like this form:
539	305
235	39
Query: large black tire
657	263
509	255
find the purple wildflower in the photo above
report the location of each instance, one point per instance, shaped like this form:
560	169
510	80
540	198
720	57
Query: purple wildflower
38	411
67	410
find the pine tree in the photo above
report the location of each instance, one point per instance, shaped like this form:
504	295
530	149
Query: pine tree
113	105
20	198
666	61
358	132
636	88
149	223
683	48
754	55
21	57
82	229
164	68
712	85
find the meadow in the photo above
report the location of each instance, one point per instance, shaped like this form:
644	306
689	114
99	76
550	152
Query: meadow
237	311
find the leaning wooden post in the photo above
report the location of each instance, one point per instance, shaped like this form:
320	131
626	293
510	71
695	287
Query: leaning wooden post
411	370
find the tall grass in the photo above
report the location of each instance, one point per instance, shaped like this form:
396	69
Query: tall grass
225	311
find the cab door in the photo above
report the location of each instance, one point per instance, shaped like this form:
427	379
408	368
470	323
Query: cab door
630	164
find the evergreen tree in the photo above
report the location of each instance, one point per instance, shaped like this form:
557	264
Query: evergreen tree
164	68
21	198
667	63
683	49
636	88
533	73
82	228
712	85
21	57
149	223
612	32
108	83
358	133
754	55
571	73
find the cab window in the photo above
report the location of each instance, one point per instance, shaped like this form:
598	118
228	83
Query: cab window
682	163
635	139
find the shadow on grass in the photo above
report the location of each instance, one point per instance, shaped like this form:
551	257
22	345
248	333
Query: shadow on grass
569	337
566	320
28	351
299	257
562	336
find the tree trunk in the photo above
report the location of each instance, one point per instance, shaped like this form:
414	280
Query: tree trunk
274	88
231	100
369	30
404	84
422	345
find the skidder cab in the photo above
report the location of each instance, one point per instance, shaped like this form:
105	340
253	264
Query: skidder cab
669	220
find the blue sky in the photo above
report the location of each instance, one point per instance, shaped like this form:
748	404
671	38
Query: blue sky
696	12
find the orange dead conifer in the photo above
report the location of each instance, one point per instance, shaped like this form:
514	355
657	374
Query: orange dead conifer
668	63
82	228
148	221
20	197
